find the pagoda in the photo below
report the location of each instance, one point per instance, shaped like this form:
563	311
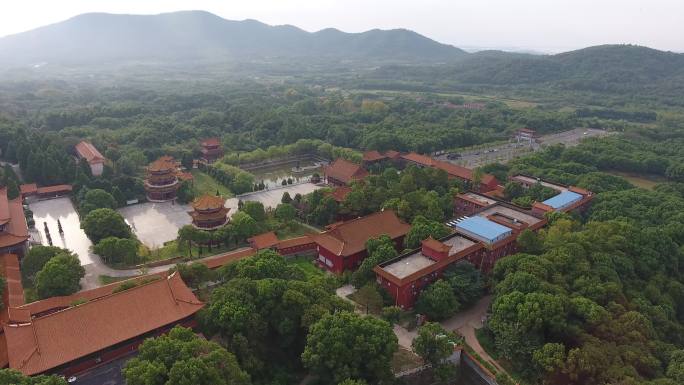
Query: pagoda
209	212
162	182
211	150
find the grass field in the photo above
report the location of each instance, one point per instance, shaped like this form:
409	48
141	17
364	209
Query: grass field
647	182
305	263
206	184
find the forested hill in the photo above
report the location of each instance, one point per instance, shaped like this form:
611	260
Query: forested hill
197	35
599	68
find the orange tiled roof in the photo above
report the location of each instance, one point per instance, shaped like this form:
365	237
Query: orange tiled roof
208	202
164	163
224	259
88	152
339	194
211	142
345	171
12	216
371	156
13	293
350	237
263	241
436	245
420	159
56	339
391	154
292	242
55	188
28	189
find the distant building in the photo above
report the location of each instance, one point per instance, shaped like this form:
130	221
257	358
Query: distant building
339	194
470	202
211	150
487	181
525	135
104	328
162	182
264	241
209	212
13	228
343	245
342	172
569	198
85	150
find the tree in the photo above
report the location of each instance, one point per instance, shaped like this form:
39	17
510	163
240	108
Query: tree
61	275
421	229
466	282
352	382
36	258
286	198
675	369
391	314
345	345
187	234
15	377
13	189
529	242
103	223
182	358
118	250
98	199
255	210
434	345
438	301
285	212
513	190
370	297
244	226
195	274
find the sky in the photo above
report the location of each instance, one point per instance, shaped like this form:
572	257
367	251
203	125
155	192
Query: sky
537	25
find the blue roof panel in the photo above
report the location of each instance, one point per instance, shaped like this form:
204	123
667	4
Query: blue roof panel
563	199
484	229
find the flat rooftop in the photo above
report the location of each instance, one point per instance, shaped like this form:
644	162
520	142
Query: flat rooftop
483	229
415	262
530	180
484	199
409	265
511	213
562	200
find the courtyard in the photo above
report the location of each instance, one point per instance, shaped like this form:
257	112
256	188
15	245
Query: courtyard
156	223
271	198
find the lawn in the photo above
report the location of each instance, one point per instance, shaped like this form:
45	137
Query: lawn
206	184
107	279
295	229
172	249
647	182
306	264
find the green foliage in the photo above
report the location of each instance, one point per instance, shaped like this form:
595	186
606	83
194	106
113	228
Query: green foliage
466	281
379	250
255	210
391	314
422	229
529	242
434	345
285	212
61	275
14	377
182	358
438	301
36	258
118	250
345	345
244	226
369	297
264	311
195	274
103	223
97	199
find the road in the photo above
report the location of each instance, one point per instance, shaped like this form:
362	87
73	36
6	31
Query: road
503	153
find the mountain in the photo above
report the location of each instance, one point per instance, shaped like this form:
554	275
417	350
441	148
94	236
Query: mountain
190	36
616	68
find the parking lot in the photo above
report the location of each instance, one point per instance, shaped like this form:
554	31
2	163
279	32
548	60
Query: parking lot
503	153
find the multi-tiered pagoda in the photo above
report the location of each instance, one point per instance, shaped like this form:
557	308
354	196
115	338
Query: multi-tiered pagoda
211	150
209	212
162	182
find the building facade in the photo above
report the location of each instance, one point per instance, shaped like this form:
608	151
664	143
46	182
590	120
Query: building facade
13	227
342	172
343	245
86	150
162	182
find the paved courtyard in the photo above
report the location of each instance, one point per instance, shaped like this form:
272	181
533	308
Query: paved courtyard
74	239
156	223
271	198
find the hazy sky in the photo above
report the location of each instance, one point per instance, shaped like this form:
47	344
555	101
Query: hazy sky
545	25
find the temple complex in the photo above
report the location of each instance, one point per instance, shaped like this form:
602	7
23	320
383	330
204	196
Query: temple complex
211	150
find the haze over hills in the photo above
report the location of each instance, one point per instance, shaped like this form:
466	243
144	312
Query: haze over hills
197	35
